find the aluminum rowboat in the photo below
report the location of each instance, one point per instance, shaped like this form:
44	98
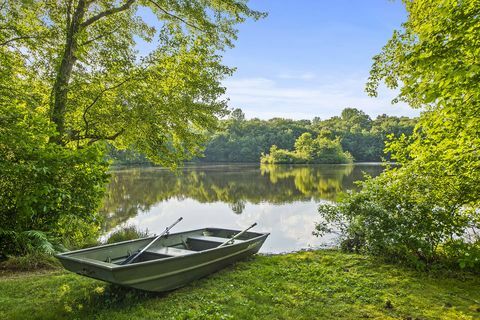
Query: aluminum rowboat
171	262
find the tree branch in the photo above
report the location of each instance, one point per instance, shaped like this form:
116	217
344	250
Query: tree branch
16	39
69	12
94	137
98	98
99	37
108	12
175	16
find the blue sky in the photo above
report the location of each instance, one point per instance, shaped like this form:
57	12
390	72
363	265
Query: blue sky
312	58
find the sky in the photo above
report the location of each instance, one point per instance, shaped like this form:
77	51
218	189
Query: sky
311	58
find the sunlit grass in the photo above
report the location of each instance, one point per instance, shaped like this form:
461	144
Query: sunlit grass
305	285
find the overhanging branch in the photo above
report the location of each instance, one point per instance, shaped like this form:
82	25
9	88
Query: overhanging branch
95	100
100	36
108	12
16	39
94	137
175	16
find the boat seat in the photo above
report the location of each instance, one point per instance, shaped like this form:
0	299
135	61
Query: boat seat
220	240
170	251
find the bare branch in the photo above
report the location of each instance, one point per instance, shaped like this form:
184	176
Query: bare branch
86	110
108	12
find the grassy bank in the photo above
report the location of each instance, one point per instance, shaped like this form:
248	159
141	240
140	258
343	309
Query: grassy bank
305	285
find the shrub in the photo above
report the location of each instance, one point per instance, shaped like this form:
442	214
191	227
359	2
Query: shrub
127	233
401	215
277	155
44	186
429	208
30	262
26	242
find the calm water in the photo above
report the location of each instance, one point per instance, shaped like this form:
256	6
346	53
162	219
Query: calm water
283	199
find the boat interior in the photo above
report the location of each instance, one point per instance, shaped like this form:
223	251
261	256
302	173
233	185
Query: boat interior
171	245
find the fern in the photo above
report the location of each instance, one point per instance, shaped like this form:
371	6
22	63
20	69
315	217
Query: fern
25	242
39	241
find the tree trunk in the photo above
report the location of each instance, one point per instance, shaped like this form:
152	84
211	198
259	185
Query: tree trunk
60	87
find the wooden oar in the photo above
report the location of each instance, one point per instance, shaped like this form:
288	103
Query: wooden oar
237	235
132	258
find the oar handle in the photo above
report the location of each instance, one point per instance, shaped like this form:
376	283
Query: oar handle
237	235
133	258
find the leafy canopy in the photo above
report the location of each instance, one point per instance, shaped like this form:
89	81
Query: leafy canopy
428	207
72	77
436	61
79	59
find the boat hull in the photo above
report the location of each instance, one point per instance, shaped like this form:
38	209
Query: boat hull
169	272
190	268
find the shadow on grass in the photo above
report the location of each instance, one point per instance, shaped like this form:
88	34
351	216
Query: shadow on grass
85	298
111	296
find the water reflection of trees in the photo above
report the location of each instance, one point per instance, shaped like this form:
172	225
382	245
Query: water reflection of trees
319	182
135	190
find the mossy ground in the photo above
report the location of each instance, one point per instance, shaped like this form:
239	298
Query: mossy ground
304	285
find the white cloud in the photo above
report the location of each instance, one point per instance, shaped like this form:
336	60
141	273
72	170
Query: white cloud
298	76
266	98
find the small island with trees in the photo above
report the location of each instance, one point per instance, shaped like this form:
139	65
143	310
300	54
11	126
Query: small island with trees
309	150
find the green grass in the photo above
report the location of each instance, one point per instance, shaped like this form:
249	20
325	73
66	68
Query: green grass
28	262
304	285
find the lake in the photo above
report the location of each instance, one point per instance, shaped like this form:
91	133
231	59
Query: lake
282	199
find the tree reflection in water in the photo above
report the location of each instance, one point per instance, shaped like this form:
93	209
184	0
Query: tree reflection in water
135	190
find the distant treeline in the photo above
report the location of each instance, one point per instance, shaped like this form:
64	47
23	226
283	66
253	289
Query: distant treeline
241	140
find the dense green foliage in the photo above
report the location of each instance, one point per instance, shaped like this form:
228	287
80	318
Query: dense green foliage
428	208
281	156
100	87
361	136
126	233
126	157
44	186
304	285
29	262
309	150
240	140
71	78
